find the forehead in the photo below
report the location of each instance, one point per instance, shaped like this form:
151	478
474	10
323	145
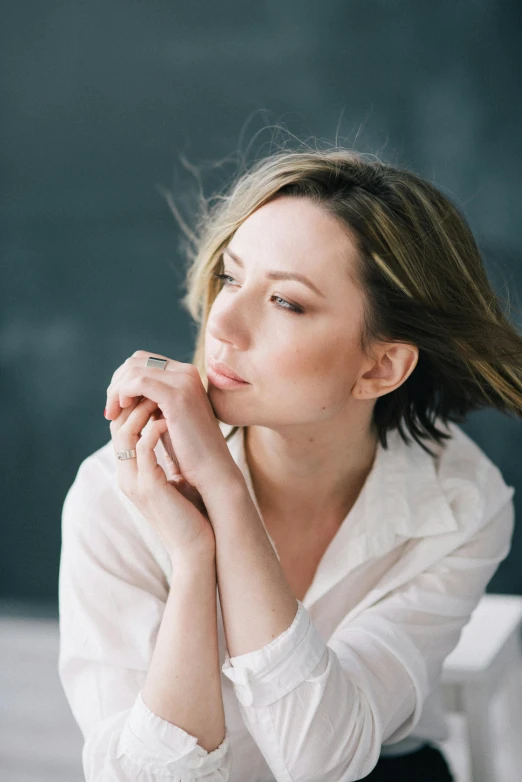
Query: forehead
297	233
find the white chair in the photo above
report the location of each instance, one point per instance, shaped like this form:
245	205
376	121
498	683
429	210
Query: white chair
489	648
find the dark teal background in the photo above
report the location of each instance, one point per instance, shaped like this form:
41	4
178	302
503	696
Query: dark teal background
101	99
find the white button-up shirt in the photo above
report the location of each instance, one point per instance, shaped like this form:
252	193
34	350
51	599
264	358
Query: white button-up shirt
357	673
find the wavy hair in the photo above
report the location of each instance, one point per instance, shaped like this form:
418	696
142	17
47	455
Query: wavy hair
419	270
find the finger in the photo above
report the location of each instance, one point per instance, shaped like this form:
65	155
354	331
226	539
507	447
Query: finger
129	385
138	358
147	462
120	395
115	379
127	369
126	468
155	385
132	419
171	463
173	468
126	431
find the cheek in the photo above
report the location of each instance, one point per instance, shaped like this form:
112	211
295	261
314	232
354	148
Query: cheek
324	354
325	366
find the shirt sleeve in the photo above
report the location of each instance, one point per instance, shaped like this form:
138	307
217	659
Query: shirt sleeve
112	595
322	711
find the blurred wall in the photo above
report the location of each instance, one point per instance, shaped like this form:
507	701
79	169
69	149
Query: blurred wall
100	99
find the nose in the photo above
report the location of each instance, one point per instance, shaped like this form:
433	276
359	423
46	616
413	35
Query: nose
227	320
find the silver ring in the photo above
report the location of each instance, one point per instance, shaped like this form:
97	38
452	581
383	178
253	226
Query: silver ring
159	363
128	454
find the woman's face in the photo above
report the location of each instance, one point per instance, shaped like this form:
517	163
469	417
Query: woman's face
300	368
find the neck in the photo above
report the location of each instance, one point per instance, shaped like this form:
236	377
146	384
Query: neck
311	477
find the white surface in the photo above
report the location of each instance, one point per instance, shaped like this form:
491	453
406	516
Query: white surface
487	661
492	622
39	740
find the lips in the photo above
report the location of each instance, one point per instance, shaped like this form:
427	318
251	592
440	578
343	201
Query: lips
223	369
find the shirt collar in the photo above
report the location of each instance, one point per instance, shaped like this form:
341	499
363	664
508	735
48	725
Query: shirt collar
401	498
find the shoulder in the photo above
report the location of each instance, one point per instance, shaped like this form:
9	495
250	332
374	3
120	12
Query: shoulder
469	479
95	479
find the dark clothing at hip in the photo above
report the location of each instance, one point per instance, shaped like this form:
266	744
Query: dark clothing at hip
427	764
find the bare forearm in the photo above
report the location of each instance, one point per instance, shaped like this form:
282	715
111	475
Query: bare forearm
183	684
256	601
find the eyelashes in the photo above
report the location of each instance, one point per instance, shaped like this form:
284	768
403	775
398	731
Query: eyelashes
285	306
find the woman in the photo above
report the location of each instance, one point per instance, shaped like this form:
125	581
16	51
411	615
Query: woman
319	530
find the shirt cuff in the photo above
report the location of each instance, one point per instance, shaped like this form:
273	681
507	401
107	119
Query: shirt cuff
268	674
157	745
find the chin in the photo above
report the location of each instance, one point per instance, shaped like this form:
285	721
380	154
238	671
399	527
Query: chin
224	411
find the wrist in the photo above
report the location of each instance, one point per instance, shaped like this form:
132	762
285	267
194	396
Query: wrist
192	569
230	503
188	560
225	482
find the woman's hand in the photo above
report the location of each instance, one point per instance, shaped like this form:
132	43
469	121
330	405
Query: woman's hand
175	509
192	436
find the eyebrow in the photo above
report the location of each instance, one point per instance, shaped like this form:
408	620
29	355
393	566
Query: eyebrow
278	275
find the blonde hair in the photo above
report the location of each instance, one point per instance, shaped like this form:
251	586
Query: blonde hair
418	267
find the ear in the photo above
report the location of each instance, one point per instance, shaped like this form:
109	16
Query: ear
392	365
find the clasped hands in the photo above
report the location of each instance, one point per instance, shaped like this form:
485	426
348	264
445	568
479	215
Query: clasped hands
145	404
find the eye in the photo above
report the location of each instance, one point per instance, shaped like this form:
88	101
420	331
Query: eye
284	306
